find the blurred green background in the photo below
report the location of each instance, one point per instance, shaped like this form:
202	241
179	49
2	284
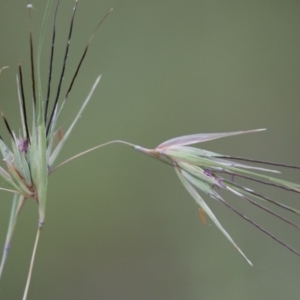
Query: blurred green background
120	225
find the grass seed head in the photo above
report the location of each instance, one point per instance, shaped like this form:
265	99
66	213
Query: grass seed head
206	172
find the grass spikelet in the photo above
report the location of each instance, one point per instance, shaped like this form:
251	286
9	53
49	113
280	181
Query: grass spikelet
206	172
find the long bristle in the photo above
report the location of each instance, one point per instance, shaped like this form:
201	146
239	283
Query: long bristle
263	208
84	54
29	7
246	190
63	69
7	126
23	103
258	226
257	180
259	161
51	63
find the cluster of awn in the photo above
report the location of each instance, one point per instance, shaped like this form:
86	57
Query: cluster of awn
31	156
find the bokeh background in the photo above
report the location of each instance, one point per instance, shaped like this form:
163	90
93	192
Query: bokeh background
120	225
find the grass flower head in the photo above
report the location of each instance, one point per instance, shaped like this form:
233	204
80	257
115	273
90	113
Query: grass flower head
30	157
31	153
209	173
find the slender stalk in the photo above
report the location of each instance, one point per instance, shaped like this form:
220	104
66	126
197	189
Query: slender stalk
31	263
17	204
90	150
10	191
67	134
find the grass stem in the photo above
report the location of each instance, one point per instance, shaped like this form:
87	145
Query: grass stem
31	263
90	150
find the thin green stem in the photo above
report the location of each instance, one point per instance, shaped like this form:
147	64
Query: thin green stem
17	204
31	263
10	191
90	150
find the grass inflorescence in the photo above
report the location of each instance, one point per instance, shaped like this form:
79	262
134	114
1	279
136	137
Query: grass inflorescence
31	155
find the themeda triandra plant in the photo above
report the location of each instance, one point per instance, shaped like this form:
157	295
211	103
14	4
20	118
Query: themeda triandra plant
33	152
